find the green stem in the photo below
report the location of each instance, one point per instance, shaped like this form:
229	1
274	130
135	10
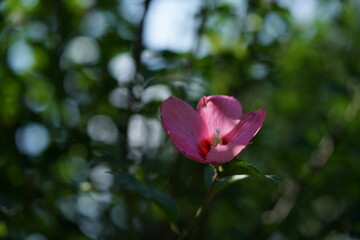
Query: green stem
209	195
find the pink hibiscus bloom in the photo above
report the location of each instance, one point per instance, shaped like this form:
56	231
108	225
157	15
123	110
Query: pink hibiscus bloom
215	133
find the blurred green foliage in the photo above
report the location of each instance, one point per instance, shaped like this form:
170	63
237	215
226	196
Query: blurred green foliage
80	96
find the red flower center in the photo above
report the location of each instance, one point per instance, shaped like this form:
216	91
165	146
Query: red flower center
206	144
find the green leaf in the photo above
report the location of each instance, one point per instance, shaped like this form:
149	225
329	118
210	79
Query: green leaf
162	200
239	167
223	182
226	181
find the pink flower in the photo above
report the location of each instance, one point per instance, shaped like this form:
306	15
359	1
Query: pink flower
215	133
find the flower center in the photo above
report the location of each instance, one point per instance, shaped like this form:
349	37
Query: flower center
216	139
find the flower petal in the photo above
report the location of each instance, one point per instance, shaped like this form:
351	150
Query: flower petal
186	148
248	127
182	123
221	112
224	153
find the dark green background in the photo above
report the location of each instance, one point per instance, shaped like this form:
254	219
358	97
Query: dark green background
306	76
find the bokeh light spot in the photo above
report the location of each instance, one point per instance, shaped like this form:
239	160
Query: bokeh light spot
122	67
32	139
20	57
82	50
101	128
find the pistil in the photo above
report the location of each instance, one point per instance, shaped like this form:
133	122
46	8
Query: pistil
216	139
